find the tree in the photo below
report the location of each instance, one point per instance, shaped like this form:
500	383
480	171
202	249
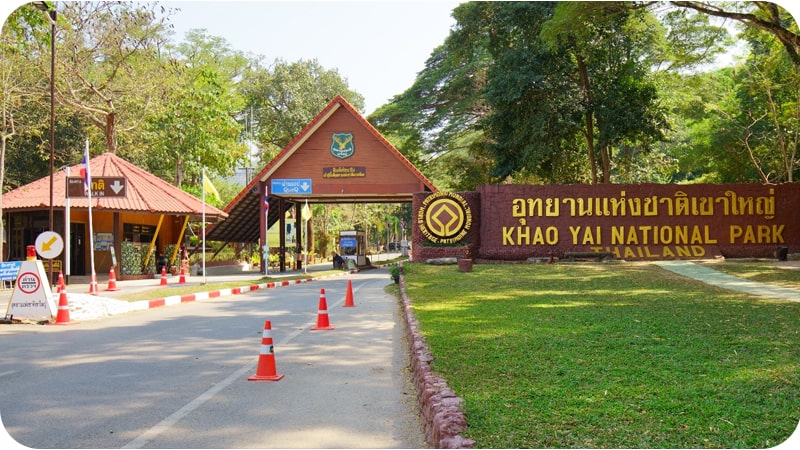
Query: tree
109	58
611	45
434	122
19	81
286	97
737	124
534	107
769	109
195	126
764	16
16	82
544	92
710	129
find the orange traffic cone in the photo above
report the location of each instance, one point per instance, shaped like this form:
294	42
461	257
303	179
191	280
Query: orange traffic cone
60	282
348	299
112	280
182	279
163	276
93	284
62	318
322	315
266	358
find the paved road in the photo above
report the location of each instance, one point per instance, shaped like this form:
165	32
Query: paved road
176	377
343	388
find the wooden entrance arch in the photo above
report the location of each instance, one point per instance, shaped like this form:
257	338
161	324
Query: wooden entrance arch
338	157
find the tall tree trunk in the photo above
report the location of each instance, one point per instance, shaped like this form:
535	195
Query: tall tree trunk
179	172
110	131
605	161
3	138
586	90
604	157
6	133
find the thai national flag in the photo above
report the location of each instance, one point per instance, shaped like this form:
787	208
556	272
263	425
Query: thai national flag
85	172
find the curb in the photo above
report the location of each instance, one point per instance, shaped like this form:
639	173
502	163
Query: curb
442	415
178	299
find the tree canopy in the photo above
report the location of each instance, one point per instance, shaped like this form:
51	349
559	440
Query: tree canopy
574	92
173	107
519	92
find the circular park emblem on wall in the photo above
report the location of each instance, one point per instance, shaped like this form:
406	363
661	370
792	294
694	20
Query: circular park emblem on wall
444	218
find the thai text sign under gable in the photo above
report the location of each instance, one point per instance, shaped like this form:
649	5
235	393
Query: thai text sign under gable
344	172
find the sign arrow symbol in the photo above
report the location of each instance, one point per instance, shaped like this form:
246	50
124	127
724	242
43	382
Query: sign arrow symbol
117	186
49	243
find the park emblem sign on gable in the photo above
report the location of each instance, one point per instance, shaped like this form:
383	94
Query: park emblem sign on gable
342	145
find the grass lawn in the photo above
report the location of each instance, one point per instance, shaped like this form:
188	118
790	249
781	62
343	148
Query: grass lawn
609	355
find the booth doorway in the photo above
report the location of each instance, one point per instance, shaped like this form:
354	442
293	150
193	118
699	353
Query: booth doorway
77	260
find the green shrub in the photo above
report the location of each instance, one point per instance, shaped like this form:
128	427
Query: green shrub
394	272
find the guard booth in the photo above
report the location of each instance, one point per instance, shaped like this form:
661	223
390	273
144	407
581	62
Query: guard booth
352	246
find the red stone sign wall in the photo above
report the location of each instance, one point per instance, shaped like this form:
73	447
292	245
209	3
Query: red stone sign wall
631	222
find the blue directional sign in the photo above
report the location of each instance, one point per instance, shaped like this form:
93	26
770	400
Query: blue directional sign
9	269
291	186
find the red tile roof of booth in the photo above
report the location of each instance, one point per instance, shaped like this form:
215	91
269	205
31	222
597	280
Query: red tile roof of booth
145	192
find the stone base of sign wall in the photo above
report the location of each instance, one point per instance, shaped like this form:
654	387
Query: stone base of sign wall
424	253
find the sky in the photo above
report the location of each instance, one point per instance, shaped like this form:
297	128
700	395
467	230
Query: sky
379	47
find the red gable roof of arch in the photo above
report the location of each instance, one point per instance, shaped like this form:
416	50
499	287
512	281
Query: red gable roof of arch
374	171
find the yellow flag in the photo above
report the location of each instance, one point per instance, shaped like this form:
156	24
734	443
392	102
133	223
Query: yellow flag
209	187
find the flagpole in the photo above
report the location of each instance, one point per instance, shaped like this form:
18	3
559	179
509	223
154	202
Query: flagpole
305	239
88	183
67	219
203	250
265	250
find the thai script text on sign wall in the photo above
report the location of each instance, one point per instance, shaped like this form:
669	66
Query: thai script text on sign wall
646	221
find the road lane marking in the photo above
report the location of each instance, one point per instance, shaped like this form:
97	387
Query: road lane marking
173	418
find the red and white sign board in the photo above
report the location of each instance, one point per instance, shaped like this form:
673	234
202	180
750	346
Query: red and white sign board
32	298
